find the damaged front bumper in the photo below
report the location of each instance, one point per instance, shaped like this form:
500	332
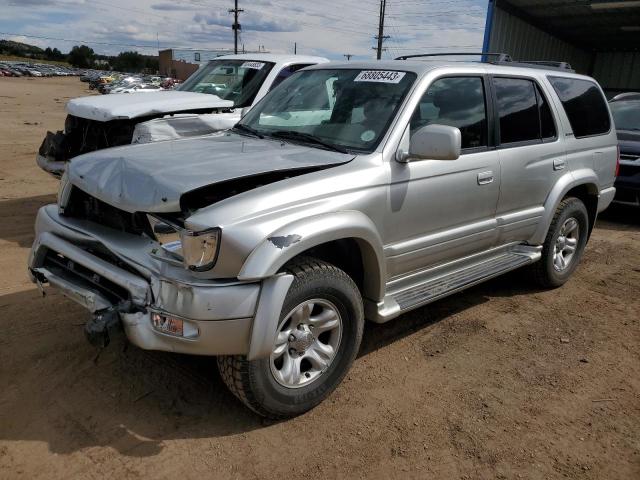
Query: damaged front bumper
111	273
53	154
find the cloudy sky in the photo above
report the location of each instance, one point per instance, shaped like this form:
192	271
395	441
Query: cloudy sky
330	27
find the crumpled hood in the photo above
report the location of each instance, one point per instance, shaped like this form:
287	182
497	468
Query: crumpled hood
133	105
152	177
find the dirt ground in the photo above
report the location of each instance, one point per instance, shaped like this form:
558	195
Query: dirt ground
502	381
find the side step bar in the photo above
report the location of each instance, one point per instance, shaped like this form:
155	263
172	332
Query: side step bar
442	284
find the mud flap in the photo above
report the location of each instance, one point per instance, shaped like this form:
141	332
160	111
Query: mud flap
103	326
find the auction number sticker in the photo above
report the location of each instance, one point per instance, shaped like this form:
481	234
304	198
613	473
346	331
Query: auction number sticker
382	76
254	65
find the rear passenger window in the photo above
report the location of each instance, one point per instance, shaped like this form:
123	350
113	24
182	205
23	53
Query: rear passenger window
517	110
584	104
457	102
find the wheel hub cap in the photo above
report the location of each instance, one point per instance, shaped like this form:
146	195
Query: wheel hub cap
301	339
566	244
306	343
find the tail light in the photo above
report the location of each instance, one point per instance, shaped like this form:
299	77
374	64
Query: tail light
618	162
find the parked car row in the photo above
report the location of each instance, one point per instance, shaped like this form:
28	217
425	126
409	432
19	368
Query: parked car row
20	69
142	84
347	191
114	82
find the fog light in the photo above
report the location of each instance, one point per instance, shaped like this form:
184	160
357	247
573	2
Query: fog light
173	326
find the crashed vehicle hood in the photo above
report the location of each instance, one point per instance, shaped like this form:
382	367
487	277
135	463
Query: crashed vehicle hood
123	106
152	177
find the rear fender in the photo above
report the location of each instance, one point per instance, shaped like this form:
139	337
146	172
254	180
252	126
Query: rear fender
570	180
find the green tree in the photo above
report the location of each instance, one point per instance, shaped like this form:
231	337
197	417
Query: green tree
81	56
57	54
129	62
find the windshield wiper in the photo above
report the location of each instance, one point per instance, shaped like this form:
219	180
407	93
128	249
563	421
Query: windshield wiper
244	128
307	137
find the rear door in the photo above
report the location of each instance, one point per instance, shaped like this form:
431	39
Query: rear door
531	155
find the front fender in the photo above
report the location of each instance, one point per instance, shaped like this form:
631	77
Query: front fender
299	236
576	178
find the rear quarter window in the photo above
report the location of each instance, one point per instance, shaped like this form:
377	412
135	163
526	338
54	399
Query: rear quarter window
584	104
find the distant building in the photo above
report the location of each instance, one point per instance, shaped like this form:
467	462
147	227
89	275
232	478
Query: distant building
182	62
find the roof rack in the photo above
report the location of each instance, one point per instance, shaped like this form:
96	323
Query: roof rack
502	57
548	63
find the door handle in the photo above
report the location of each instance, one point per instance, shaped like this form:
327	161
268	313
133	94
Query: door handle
485	178
558	163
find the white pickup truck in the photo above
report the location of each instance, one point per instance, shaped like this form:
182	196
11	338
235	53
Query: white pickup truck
210	100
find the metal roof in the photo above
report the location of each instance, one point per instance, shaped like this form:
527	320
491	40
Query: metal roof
422	67
597	25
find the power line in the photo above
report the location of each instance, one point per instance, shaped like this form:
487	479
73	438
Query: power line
78	41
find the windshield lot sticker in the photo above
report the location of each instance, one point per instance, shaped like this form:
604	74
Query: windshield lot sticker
254	65
381	76
368	136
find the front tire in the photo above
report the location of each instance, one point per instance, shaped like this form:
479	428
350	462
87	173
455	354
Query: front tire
564	244
318	337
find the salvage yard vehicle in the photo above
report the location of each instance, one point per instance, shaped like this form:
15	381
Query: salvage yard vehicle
354	190
223	78
626	115
221	89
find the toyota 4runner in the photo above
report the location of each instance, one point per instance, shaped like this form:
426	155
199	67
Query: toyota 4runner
353	191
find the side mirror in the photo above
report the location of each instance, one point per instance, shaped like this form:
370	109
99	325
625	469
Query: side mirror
244	111
434	142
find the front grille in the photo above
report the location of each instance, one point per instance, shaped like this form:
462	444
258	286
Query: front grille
84	135
81	276
629	156
83	206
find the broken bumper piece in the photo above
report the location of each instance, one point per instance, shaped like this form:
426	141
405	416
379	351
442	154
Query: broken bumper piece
203	317
54	153
51	165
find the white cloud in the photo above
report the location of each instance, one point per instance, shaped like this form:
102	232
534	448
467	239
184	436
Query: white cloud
332	27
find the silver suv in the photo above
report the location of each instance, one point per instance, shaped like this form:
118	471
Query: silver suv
351	191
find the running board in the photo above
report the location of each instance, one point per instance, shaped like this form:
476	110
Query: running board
442	284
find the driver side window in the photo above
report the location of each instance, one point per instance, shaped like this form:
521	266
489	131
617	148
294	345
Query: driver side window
457	102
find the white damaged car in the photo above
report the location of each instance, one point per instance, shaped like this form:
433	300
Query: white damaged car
210	100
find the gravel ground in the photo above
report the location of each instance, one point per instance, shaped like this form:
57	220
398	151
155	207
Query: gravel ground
501	381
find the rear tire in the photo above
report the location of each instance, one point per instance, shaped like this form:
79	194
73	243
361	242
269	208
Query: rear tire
563	248
305	366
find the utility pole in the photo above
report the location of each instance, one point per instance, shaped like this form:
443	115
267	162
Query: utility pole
295	48
236	26
348	56
381	37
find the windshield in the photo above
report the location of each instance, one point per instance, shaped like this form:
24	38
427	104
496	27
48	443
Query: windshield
626	115
349	109
235	80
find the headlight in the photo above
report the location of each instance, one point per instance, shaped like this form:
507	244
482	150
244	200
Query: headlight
64	190
200	249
